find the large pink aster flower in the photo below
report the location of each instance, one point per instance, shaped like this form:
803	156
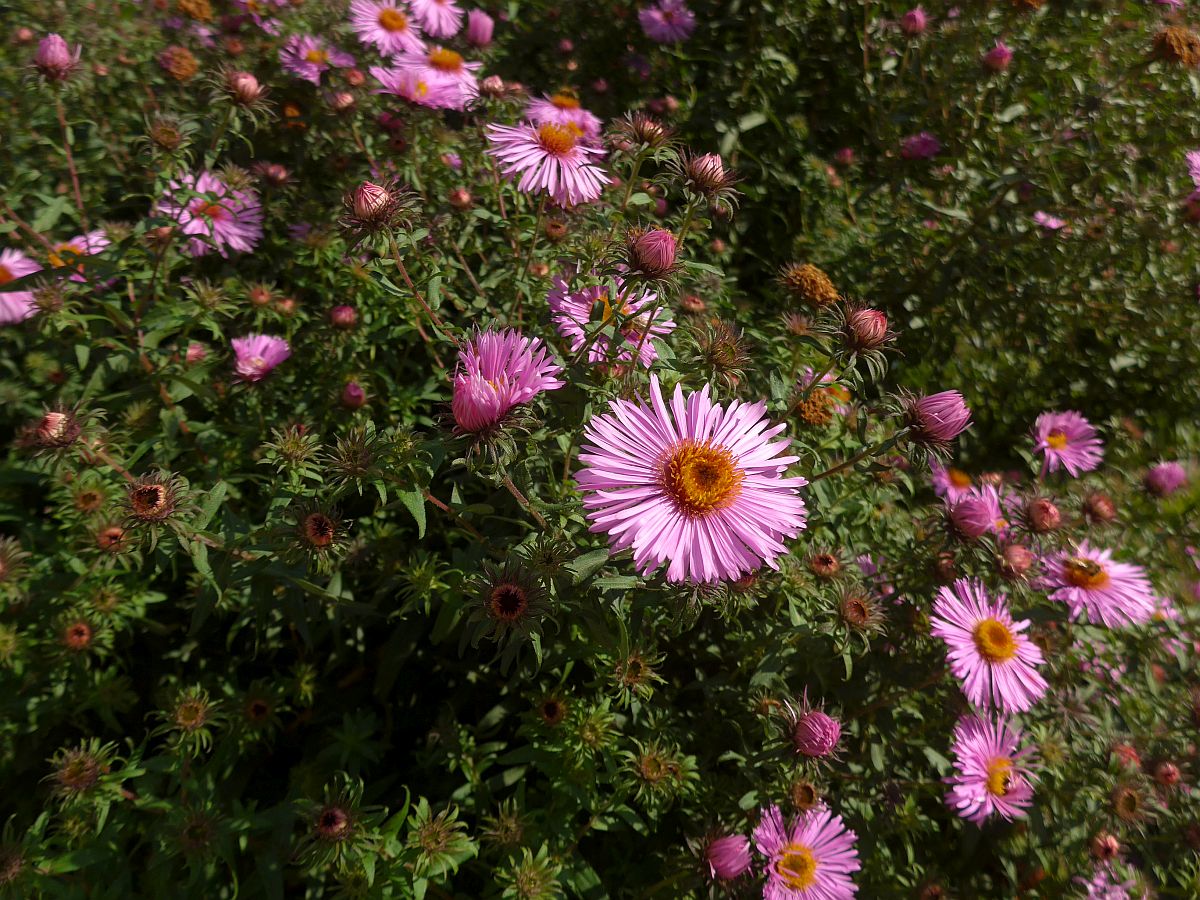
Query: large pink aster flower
573	311
498	370
993	776
68	254
564	109
388	25
257	354
810	859
439	18
1090	581
416	87
446	67
667	21
988	651
697	484
307	57
550	159
15	306
216	216
1069	440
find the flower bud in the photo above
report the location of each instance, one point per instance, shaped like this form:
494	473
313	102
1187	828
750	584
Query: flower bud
914	22
998	58
816	734
353	395
865	329
1015	561
54	59
343	317
1043	516
492	86
243	88
937	419
341	101
370	202
479	28
23	36
355	77
460	198
195	353
1167	774
1165	478
845	157
728	857
1105	846
1099	507
969	517
652	252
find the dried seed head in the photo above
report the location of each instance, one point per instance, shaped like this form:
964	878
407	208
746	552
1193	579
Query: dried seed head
808	284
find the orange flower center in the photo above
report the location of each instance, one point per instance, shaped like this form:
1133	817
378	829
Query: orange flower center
1057	439
1085	573
565	101
701	478
607	310
65	255
208	210
556	139
797	867
6	275
999	776
316	55
445	60
994	640
958	478
393	20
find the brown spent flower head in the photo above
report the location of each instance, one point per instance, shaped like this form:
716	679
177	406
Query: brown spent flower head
1177	44
200	10
192	712
333	824
825	565
153	498
1099	507
179	62
804	795
808	284
319	530
860	612
77	771
77	636
57	429
817	408
1127	803
640	128
112	539
12	864
722	346
555	229
797	324
12	559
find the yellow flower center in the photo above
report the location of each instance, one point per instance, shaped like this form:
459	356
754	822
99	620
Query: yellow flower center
999	776
556	139
701	478
607	311
393	20
6	275
1057	439
445	60
64	255
1085	573
994	640
316	55
208	210
797	867
565	101
422	88
958	478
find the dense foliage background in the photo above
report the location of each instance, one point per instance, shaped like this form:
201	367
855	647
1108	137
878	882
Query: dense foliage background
296	681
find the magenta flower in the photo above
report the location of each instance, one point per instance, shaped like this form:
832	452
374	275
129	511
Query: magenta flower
564	109
970	516
387	25
54	59
258	354
258	11
728	857
667	21
550	159
914	22
15	306
480	27
652	252
439	66
1165	478
438	18
949	483
1069	440
1193	163
992	776
922	145
573	311
998	58
810	859
986	649
216	216
1048	223
498	370
67	254
697	485
1090	581
307	57
812	731
415	87
937	419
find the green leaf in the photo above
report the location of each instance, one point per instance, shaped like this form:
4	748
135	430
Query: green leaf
414	502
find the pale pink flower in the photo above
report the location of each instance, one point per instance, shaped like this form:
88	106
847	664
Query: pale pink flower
438	18
550	159
387	25
257	354
308	57
15	306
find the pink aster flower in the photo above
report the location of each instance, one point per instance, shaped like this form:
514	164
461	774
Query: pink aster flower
1105	884
1165	478
498	370
667	21
914	22
1069	440
993	776
307	57
439	18
386	24
949	483
810	859
67	254
987	650
1090	581
936	419
573	311
445	67
216	216
550	159
998	58
480	27
416	87
697	485
922	145
564	109
1193	164
1048	223
969	516
15	306
728	857
258	354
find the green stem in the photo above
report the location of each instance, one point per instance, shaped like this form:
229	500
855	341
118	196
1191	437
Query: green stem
858	457
66	133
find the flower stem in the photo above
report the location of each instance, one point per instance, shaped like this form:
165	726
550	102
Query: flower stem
537	232
520	498
861	455
66	133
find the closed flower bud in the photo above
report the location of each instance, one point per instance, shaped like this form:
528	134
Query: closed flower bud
195	353
1167	774
492	86
652	253
54	59
243	88
370	202
1043	516
937	419
480	27
914	22
845	157
353	395
970	517
341	101
272	174
1015	561
460	198
343	317
1099	507
23	36
1165	478
998	58
865	329
816	734
355	77
728	857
